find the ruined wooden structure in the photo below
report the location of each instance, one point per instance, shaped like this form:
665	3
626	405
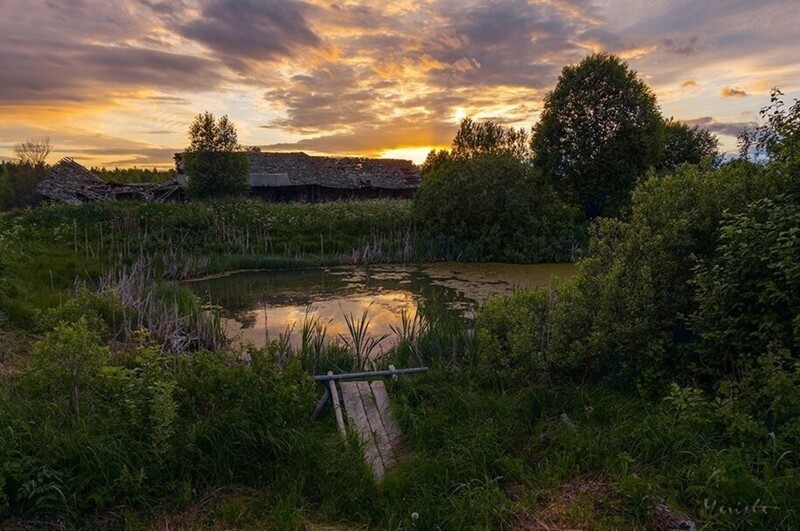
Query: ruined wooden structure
276	177
69	182
288	177
366	404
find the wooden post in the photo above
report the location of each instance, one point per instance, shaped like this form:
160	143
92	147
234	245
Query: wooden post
337	408
318	409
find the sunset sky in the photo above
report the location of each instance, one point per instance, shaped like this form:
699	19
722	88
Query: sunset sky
117	82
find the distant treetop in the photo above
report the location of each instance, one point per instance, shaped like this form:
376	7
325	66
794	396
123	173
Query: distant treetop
207	134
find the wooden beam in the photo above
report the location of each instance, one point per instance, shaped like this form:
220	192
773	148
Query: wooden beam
368	374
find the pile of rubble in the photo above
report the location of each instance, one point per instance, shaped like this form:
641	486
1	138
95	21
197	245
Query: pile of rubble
69	182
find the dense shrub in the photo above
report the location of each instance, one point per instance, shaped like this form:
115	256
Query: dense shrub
17	188
492	208
217	173
6	192
748	292
627	311
513	337
634	292
85	431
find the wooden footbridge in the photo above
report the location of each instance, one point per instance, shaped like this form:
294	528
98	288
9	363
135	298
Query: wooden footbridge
366	404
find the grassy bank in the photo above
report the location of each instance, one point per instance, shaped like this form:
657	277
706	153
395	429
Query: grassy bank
45	251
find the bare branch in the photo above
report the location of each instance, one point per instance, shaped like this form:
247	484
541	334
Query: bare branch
33	151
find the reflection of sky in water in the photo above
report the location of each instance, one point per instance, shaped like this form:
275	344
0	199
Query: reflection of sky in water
259	306
384	310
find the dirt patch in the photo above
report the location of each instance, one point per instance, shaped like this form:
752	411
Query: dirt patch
574	506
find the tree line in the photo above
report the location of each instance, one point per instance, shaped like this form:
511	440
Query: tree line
507	194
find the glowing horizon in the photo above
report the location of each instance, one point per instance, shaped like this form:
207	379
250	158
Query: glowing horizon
117	84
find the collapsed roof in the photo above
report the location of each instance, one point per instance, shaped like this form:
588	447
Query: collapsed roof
69	182
299	169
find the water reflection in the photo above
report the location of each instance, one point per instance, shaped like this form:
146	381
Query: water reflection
259	306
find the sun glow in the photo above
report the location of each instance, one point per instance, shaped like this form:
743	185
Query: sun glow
416	155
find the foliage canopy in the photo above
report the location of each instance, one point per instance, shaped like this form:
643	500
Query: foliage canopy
492	207
687	145
208	134
599	131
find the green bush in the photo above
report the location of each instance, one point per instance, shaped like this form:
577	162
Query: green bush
634	292
748	292
627	311
6	192
21	179
64	366
491	207
513	337
217	173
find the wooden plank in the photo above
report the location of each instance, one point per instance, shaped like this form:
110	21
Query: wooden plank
357	416
337	408
376	424
387	417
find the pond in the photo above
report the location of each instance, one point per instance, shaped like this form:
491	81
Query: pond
259	306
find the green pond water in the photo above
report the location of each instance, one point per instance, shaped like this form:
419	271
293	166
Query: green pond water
259	306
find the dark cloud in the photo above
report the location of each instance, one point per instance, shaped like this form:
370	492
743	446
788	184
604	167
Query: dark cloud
730	92
513	43
723	128
81	73
689	84
603	39
86	51
243	31
684	47
329	97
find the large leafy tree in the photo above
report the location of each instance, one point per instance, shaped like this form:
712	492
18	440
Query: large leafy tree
599	131
214	165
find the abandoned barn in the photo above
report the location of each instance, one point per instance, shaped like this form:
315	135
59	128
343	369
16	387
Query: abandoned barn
278	177
284	177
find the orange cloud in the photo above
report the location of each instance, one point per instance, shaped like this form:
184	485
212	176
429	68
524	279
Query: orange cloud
729	92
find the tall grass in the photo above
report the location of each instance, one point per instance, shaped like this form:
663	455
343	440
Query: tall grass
172	315
359	342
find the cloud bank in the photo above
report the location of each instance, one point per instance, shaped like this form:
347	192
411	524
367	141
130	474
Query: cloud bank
361	77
